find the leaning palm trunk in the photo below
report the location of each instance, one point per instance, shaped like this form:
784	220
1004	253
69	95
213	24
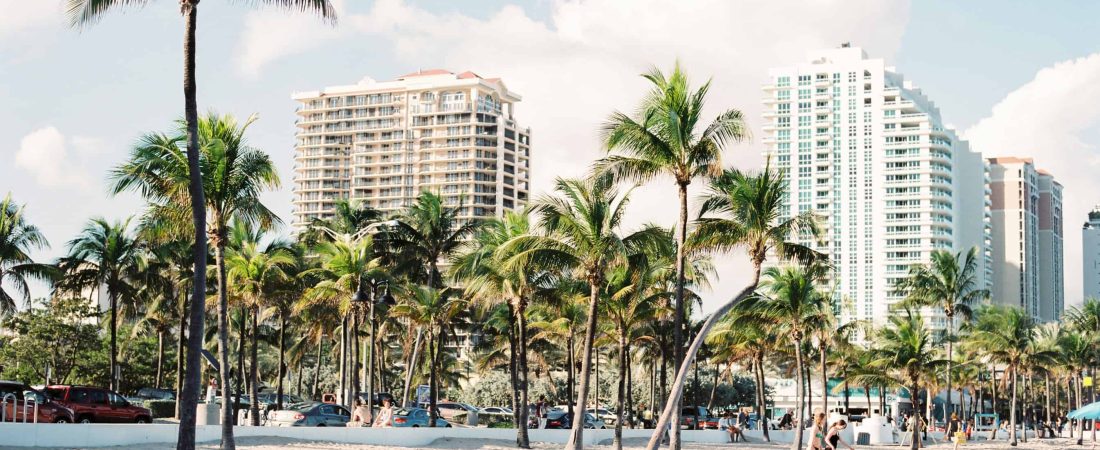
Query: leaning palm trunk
681	376
410	365
576	438
223	343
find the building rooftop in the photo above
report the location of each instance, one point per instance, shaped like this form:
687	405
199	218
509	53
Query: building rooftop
1010	160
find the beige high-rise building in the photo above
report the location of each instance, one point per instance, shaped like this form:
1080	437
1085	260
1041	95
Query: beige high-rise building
383	143
1027	237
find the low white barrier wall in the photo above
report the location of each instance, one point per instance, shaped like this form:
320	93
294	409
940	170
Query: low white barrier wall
106	435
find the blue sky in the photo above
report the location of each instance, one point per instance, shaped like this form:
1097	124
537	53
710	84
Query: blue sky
1020	78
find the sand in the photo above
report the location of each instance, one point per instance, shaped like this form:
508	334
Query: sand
271	443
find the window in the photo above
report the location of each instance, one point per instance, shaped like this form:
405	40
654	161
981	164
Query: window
784	81
804	80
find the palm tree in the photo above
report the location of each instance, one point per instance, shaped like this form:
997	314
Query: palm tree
424	235
626	304
741	211
1006	336
431	309
582	224
948	281
487	281
347	218
105	258
1086	319
255	271
903	355
792	303
233	176
281	303
83	13
17	239
669	139
1077	350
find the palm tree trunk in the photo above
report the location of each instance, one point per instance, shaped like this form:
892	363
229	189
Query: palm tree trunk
576	439
1012	410
867	393
1080	403
993	397
678	385
762	396
353	365
409	367
160	358
617	442
433	348
847	397
630	389
950	354
282	364
242	336
824	381
114	339
317	371
513	374
799	396
181	342
524	439
714	386
343	358
809	392
914	443
571	373
678	319
253	371
188	401
228	442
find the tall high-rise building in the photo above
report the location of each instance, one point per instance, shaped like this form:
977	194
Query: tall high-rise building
867	152
1090	250
1027	237
1052	289
383	143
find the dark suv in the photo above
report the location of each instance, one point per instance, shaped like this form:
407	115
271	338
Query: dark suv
18	397
98	405
693	417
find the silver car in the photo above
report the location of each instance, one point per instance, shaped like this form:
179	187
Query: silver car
310	415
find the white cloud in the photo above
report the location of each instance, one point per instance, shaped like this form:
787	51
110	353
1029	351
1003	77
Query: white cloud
583	63
22	15
1055	119
44	154
271	33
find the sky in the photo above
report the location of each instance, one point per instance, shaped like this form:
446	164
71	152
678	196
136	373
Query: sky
1017	78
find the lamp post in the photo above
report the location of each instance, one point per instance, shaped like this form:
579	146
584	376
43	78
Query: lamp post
371	300
360	298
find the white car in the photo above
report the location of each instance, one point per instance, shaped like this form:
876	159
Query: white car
496	410
603	414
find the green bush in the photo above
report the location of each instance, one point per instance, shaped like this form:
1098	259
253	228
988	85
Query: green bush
495	420
161	408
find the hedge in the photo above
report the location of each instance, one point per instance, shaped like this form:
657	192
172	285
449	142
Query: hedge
161	408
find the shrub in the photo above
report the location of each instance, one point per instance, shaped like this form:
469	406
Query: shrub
161	408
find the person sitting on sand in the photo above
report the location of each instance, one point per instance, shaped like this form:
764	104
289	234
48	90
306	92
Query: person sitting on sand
385	415
361	416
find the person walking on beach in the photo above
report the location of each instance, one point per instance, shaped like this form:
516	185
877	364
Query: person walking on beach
817	434
954	431
833	439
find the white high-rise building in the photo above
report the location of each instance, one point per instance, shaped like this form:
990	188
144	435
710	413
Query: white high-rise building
867	151
1027	238
1090	246
385	142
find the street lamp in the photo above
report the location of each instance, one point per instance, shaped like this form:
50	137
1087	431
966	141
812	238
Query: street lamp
371	300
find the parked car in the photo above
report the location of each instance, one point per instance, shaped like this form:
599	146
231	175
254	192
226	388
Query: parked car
20	399
269	400
448	410
688	417
155	394
495	410
603	414
560	419
416	418
98	405
310	415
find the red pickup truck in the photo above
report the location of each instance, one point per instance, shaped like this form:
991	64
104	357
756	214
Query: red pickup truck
98	405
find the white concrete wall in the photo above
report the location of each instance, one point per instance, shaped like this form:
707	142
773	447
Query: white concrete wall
105	435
